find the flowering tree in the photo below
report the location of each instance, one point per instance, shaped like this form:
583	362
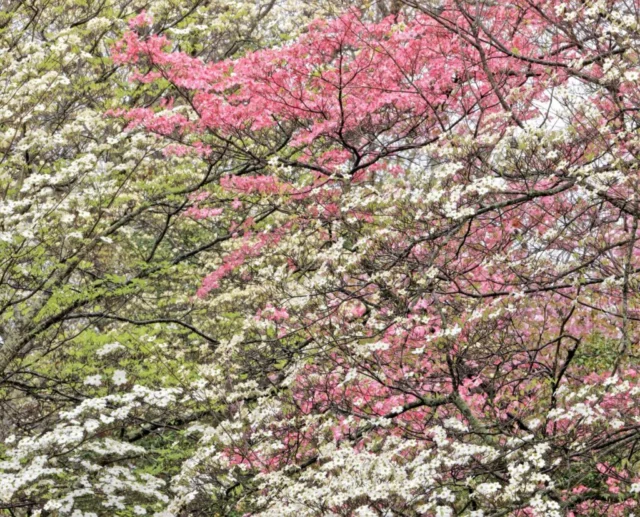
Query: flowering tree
98	269
420	275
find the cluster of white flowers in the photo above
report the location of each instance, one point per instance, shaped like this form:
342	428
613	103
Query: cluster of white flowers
34	459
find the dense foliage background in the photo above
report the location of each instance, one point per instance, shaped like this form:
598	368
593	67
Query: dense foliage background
319	258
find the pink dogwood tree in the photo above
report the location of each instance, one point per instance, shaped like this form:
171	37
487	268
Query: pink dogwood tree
432	240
